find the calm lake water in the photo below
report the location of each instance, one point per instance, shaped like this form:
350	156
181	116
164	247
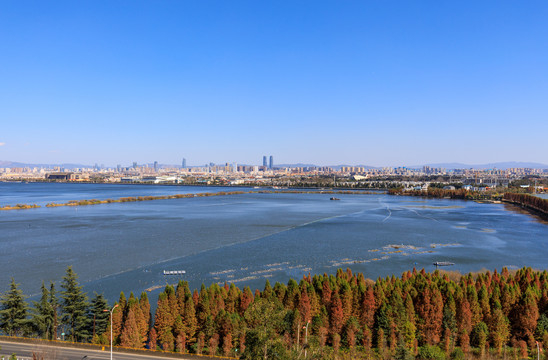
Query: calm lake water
249	238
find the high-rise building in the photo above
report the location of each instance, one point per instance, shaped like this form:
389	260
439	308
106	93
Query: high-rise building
271	164
264	161
156	166
184	163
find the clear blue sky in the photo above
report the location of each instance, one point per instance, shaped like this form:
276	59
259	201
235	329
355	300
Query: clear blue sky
326	82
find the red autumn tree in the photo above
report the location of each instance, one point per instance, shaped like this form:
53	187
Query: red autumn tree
153	339
304	307
367	315
526	315
227	344
131	337
326	293
464	316
144	325
246	300
190	322
430	310
164	321
180	343
336	315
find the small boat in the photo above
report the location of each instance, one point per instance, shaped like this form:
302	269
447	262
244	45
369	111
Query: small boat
334	198
443	263
174	272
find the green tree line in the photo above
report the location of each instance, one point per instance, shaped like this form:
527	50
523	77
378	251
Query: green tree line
67	312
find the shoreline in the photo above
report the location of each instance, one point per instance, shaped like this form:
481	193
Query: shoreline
523	201
528	209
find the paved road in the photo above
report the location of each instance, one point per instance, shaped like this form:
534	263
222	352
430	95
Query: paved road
24	351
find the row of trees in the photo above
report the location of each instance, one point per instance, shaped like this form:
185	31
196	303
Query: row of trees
66	312
530	201
420	315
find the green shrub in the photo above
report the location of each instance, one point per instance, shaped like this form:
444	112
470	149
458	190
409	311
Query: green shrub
428	352
457	354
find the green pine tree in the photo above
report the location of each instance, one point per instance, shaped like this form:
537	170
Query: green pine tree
13	311
98	318
74	307
54	303
43	315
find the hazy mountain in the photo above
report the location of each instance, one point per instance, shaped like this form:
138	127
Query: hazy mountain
294	165
448	166
12	164
498	165
338	167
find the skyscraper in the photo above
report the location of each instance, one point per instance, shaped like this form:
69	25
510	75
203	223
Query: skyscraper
264	161
156	166
271	164
184	163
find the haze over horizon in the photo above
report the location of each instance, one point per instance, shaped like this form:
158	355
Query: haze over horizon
447	166
379	84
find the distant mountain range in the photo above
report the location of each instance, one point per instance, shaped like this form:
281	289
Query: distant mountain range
337	167
448	166
11	164
498	165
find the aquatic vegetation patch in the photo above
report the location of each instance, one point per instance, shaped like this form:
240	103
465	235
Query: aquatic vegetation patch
434	207
19	207
433	246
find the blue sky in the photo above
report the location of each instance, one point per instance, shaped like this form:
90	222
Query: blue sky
358	82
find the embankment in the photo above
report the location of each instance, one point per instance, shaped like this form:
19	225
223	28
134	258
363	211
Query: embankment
533	204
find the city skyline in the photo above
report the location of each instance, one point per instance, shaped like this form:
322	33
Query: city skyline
267	164
380	84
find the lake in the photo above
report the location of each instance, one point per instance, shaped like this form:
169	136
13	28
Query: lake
249	238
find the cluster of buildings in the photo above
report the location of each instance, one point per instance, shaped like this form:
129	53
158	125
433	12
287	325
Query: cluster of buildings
232	173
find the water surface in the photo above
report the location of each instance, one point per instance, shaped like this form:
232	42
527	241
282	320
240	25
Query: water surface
249	238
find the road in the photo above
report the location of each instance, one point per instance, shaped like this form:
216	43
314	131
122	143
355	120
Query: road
24	351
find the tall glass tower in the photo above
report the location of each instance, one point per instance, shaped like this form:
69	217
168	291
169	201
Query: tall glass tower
271	164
